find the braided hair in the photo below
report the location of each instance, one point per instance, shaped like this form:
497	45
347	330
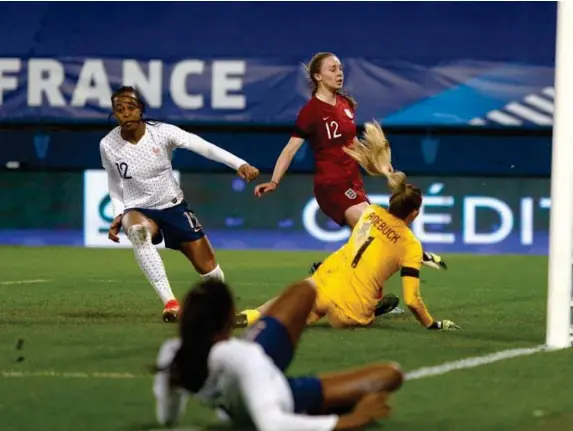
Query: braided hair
208	311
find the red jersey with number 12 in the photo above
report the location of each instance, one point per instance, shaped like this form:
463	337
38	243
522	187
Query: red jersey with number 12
327	128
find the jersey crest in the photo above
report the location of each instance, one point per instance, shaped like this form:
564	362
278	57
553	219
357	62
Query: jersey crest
350	194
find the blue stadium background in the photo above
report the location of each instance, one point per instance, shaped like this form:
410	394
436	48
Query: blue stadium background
464	90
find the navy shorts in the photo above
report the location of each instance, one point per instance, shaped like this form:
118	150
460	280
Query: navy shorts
273	337
176	224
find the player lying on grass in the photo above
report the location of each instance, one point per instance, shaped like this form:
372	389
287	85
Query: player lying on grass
147	201
350	282
244	379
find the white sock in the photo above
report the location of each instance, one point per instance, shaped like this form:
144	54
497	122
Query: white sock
215	275
149	261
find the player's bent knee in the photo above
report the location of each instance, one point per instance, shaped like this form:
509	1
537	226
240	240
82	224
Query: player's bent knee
309	286
138	233
306	292
214	275
387	377
397	376
294	304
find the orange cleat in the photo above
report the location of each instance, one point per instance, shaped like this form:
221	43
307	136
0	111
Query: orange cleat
171	311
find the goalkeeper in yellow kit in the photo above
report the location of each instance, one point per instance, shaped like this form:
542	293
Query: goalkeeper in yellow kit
350	282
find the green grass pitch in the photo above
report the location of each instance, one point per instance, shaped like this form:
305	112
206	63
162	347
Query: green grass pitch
91	326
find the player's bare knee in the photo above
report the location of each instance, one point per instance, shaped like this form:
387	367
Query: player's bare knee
305	292
388	377
138	233
308	287
397	375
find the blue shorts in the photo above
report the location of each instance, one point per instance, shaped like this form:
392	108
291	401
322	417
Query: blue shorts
176	224
273	337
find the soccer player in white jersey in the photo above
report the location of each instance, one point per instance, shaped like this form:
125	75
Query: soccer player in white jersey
243	379
146	199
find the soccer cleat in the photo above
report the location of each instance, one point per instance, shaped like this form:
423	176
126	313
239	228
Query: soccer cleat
314	267
397	310
434	261
247	318
388	304
241	321
171	311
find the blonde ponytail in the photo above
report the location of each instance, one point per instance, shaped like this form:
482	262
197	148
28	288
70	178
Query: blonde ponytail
373	153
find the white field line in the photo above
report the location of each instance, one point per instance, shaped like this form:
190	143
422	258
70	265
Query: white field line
472	362
8	283
419	373
71	375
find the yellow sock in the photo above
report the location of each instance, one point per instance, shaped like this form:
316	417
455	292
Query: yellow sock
252	316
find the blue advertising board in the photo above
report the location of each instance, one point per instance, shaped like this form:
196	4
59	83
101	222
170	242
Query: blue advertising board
459	214
408	64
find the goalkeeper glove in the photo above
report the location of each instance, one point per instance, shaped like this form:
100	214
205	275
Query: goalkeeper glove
444	325
433	261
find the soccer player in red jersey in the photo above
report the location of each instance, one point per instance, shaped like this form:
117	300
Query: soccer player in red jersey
327	122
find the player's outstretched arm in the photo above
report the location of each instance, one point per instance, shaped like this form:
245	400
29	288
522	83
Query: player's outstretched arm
169	401
371	408
411	264
281	166
413	300
412	297
182	139
268	416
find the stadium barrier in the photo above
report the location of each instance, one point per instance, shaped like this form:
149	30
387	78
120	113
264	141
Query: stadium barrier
473	215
